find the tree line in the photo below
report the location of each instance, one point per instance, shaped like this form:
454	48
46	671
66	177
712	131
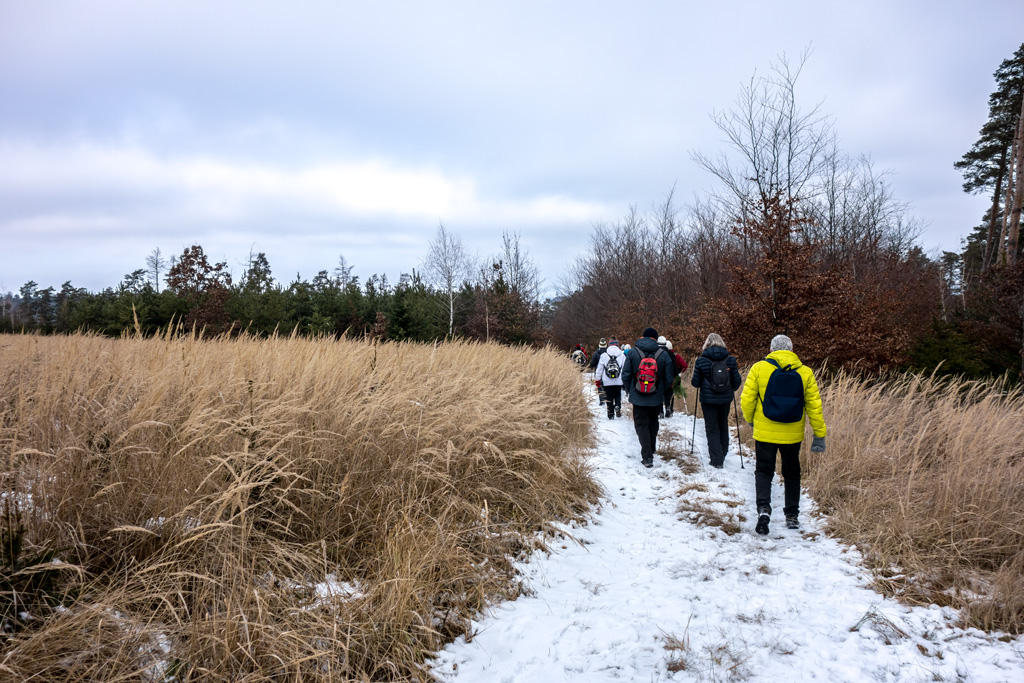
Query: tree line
799	238
453	294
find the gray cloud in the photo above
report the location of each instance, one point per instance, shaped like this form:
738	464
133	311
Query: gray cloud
332	127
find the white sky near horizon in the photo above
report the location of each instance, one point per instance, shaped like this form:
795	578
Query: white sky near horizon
315	129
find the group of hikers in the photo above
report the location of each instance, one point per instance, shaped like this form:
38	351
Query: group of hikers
779	395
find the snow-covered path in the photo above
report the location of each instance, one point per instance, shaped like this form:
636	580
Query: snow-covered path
669	582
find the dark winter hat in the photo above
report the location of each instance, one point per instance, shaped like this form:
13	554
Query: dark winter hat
650	332
602	343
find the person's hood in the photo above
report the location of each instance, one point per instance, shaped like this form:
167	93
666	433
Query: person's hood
784	358
647	345
614	351
716	353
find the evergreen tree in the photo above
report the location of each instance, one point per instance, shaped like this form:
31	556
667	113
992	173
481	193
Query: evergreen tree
987	166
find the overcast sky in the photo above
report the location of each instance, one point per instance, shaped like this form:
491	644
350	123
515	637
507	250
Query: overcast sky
311	129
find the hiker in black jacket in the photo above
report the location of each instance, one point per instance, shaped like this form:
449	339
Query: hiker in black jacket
602	348
717	377
646	405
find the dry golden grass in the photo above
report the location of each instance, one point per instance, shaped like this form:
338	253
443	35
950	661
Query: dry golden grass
927	477
200	490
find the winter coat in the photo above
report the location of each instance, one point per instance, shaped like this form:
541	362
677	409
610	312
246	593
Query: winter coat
602	366
753	394
680	363
632	364
596	358
702	376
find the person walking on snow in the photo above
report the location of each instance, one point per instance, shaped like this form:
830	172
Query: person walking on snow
666	409
677	381
602	348
609	374
779	394
645	382
579	356
716	377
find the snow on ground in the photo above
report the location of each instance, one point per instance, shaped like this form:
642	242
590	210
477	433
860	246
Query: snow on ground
661	586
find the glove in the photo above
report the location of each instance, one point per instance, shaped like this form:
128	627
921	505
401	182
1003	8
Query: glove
818	445
598	384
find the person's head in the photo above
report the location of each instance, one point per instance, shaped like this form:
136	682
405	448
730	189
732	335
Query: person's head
627	347
602	344
613	342
668	345
650	332
781	342
714	339
662	341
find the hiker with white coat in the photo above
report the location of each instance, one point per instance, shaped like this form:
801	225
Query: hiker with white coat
609	374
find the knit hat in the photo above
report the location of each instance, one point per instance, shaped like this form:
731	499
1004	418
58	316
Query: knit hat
650	332
662	341
601	344
668	345
613	341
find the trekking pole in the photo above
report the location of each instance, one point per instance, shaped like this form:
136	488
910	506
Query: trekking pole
693	436
739	440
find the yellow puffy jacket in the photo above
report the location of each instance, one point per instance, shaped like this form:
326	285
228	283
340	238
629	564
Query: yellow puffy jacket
753	394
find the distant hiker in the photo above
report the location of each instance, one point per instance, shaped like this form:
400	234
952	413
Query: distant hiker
609	373
666	394
645	375
579	356
780	392
717	377
602	347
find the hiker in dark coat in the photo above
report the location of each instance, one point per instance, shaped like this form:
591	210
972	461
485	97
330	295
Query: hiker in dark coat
674	371
646	405
717	377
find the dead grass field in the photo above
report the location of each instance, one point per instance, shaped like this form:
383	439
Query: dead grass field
284	509
926	477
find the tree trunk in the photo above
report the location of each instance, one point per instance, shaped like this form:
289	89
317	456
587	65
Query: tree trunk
1018	191
988	252
1010	181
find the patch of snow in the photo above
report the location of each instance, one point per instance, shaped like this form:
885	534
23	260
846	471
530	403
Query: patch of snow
654	591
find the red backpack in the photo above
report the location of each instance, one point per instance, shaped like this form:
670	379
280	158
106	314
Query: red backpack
647	373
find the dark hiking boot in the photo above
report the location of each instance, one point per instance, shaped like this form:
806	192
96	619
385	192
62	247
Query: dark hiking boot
648	463
618	412
611	416
792	522
762	525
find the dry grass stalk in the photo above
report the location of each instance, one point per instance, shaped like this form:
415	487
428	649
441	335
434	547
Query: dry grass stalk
204	489
927	475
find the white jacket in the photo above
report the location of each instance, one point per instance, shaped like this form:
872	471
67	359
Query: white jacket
620	358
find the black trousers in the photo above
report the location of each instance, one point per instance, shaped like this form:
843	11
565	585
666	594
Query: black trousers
645	421
613	398
764	471
716	428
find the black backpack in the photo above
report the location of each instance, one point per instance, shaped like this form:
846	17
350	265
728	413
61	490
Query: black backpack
784	395
611	368
719	379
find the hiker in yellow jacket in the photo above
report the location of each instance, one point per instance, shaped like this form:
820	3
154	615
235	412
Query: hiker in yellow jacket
793	398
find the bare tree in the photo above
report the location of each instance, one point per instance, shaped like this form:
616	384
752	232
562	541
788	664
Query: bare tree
447	264
343	273
155	264
521	272
782	150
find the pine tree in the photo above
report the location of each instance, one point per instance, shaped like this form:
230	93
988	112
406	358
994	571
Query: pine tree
991	162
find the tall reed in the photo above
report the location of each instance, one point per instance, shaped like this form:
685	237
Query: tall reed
284	509
926	475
